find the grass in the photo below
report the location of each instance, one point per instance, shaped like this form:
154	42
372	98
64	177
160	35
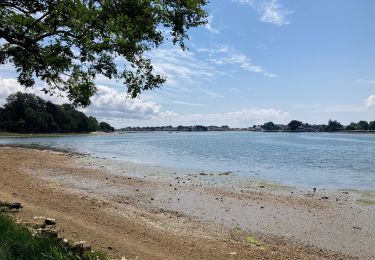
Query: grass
248	238
16	243
251	240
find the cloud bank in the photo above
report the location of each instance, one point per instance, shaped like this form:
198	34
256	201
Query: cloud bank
112	106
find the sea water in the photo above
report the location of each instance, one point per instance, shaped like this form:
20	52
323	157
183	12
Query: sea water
298	159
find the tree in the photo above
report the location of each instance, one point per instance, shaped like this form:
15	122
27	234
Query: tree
105	127
270	126
28	113
66	43
363	125
294	125
352	127
372	125
334	125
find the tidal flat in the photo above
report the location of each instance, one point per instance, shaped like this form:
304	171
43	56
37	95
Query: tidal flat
131	209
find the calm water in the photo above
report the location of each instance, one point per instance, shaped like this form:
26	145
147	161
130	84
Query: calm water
303	159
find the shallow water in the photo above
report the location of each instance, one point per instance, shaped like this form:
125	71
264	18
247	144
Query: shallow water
298	159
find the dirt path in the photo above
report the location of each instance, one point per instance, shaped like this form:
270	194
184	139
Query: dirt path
134	223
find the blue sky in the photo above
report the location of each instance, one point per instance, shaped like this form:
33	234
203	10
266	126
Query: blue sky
256	61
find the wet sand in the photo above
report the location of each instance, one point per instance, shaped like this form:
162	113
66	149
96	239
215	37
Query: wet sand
148	212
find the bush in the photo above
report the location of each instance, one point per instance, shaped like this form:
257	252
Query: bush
17	243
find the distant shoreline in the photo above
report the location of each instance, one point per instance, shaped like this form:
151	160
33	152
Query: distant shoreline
35	135
244	130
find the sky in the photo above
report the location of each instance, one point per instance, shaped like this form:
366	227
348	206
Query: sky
255	61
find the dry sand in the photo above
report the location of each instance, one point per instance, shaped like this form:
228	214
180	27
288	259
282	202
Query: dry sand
144	212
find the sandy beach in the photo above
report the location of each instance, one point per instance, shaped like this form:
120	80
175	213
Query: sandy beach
147	212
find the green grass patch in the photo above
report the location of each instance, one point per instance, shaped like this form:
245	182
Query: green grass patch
247	237
251	240
17	243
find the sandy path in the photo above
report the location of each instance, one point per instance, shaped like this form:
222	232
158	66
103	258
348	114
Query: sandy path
173	218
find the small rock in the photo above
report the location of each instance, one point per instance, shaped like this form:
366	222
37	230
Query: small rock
50	221
325	198
358	228
15	205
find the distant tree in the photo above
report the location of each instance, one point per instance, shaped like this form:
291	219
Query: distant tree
199	128
334	125
66	43
351	127
372	125
92	124
270	126
294	125
105	127
363	125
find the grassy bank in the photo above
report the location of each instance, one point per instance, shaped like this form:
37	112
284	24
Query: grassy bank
16	242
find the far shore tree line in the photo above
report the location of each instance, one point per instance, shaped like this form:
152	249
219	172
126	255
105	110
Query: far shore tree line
292	126
28	113
332	126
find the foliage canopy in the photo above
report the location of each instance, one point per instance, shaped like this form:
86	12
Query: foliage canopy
27	113
67	43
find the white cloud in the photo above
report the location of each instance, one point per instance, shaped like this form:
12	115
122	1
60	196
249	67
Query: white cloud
271	11
370	101
209	25
10	86
224	55
179	102
180	66
274	13
249	2
109	103
242	118
7	87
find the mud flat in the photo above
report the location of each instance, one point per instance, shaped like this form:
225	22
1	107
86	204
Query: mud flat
133	210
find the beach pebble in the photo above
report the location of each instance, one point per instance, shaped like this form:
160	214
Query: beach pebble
50	221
